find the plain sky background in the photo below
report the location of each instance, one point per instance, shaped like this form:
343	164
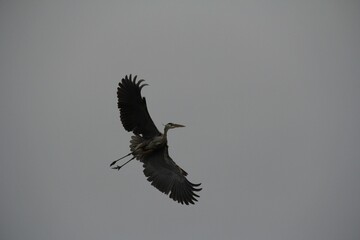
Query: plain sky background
269	92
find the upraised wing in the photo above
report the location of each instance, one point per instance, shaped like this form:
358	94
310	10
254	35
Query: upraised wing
134	114
168	177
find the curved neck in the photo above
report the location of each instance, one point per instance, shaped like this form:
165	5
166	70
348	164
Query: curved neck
166	129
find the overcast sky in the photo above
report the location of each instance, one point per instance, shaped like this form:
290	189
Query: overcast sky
269	92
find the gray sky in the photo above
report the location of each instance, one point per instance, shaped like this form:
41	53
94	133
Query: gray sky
269	92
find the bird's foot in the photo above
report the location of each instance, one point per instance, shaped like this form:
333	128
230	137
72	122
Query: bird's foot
117	167
113	162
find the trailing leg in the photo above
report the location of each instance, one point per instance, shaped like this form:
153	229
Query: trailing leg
119	159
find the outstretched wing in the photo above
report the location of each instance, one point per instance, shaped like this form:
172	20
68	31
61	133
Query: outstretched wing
133	110
165	175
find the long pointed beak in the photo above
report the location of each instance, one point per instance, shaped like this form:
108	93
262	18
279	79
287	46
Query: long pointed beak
178	125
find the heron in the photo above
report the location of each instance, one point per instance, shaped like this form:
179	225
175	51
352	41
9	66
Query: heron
149	146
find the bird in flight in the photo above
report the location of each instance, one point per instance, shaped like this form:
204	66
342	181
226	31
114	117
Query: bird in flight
149	145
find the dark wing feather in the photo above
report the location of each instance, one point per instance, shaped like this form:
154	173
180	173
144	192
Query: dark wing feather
133	110
166	176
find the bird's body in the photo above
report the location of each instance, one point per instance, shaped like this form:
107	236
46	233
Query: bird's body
149	146
141	147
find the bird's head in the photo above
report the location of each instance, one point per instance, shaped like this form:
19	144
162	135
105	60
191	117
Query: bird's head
172	125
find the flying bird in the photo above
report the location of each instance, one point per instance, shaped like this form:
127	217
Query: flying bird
149	145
